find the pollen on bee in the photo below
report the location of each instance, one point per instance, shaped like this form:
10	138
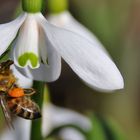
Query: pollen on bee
16	92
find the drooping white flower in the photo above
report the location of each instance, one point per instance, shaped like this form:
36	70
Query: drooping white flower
53	116
40	45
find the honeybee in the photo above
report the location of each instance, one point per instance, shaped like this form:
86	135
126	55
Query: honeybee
15	99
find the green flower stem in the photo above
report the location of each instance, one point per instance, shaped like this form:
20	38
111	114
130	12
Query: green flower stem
32	6
57	6
36	133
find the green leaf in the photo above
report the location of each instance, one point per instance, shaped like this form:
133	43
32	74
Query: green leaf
115	130
4	56
104	129
97	132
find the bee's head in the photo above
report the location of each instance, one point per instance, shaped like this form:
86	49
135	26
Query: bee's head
5	66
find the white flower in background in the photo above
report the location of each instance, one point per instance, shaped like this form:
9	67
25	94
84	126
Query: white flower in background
71	134
39	46
55	116
52	117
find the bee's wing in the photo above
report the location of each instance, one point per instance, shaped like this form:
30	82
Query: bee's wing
6	112
29	91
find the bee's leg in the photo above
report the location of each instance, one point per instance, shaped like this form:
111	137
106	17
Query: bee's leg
6	112
29	92
11	87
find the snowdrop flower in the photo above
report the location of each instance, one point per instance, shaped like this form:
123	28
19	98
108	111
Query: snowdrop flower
53	116
39	47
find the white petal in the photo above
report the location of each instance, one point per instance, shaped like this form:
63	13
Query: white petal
90	63
20	125
46	73
8	32
22	81
71	134
43	73
43	47
49	71
66	20
55	116
26	45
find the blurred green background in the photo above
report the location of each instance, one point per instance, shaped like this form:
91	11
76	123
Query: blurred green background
117	25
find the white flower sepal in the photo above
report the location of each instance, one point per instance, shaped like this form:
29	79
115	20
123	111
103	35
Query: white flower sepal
22	81
67	21
54	116
40	45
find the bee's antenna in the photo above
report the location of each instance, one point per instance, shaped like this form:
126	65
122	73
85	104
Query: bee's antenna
29	92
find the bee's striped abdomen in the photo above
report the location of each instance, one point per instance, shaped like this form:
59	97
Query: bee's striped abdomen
24	107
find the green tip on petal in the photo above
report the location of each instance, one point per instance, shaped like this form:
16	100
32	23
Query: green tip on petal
22	60
32	6
57	6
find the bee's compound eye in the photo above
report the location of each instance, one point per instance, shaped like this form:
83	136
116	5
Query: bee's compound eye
16	92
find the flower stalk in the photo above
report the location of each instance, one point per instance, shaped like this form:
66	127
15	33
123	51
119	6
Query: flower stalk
57	6
32	6
38	98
